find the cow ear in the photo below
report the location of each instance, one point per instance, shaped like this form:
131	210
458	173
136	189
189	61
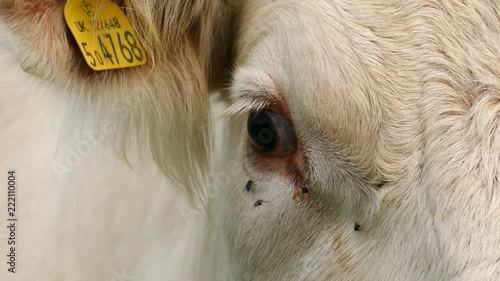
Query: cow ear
161	106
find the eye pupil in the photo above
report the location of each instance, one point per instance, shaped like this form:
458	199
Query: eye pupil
271	133
262	130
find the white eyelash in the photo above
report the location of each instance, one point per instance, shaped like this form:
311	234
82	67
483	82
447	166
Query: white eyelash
245	104
252	90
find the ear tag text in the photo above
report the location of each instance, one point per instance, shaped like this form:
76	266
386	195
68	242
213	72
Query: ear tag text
104	34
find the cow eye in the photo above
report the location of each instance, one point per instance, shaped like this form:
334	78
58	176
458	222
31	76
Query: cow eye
270	132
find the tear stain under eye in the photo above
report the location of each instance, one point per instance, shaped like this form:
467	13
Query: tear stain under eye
292	166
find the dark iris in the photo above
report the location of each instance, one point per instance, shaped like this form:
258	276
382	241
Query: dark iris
262	131
270	132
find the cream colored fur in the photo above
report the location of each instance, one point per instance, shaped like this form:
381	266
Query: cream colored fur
167	98
84	214
396	105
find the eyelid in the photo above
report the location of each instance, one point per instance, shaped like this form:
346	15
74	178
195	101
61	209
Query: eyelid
254	89
245	104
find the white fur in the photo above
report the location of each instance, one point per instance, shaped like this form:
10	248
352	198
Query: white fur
94	219
396	107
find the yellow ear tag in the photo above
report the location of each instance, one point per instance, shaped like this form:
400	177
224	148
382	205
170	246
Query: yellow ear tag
104	34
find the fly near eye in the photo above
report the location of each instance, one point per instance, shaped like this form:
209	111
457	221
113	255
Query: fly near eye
270	132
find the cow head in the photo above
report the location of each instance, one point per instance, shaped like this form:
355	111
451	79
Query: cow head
372	142
367	133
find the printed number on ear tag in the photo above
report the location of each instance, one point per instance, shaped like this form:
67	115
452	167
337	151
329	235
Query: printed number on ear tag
104	34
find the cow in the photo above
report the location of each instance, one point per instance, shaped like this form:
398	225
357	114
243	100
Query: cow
261	140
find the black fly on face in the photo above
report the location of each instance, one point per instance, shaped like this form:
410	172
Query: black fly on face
357	226
258	203
248	186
